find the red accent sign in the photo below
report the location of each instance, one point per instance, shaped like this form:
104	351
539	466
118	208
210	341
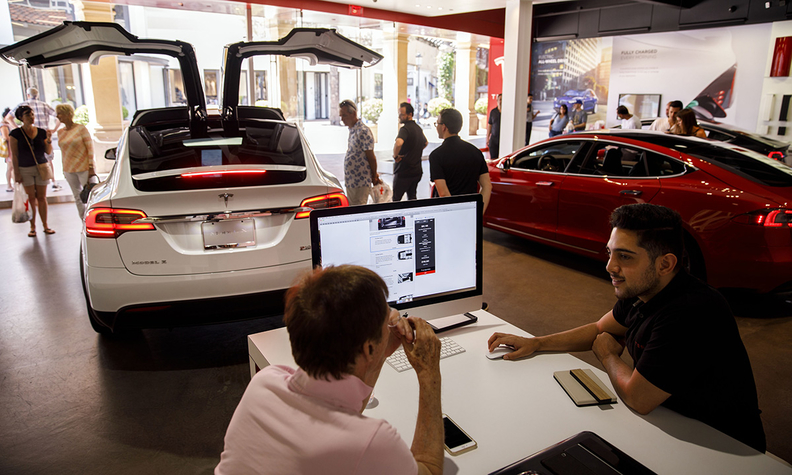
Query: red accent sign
355	10
495	77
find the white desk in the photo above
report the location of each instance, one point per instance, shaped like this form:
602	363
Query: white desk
515	408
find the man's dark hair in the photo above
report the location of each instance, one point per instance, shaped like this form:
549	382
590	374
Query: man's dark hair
407	107
330	314
677	104
622	110
659	229
530	95
452	119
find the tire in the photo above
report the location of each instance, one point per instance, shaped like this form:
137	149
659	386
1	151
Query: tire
694	259
92	316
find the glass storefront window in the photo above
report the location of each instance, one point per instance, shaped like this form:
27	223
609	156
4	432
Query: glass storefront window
261	86
176	88
126	80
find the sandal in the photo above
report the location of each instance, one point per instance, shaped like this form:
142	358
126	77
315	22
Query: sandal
32	233
49	231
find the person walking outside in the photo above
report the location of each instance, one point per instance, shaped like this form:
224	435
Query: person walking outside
77	153
29	145
360	163
42	111
407	152
530	115
493	129
5	153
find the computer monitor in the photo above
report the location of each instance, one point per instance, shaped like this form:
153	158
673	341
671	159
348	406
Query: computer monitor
428	252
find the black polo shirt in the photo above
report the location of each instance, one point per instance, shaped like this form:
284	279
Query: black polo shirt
412	149
685	341
459	163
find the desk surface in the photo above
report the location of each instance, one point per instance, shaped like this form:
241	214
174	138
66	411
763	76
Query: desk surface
515	408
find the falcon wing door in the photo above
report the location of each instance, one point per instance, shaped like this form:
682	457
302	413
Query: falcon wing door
317	45
83	41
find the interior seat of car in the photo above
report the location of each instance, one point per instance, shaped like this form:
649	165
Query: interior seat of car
612	163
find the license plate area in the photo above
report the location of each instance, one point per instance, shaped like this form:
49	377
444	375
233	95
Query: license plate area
229	233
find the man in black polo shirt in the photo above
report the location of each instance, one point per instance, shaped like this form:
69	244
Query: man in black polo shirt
457	167
679	331
407	152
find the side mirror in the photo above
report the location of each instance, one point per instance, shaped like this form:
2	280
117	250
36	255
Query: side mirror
110	153
506	164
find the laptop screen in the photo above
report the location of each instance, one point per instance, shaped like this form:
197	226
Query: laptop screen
426	251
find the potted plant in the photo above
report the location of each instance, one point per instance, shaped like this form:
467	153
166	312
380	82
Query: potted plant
372	109
481	112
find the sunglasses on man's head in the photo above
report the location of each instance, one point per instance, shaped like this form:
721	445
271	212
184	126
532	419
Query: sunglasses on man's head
349	104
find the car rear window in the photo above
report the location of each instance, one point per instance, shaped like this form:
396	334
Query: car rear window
749	164
170	159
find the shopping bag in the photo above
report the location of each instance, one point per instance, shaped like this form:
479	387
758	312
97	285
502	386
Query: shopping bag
19	208
381	193
93	180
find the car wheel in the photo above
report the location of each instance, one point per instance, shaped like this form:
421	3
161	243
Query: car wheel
92	317
694	259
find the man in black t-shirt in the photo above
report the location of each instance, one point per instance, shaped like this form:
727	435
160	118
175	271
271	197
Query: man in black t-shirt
679	331
407	152
457	167
493	129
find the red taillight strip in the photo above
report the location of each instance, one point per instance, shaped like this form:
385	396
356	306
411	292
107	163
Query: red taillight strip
224	172
776	155
111	222
322	201
769	218
778	215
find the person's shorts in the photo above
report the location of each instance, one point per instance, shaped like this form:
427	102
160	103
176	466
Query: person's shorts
30	176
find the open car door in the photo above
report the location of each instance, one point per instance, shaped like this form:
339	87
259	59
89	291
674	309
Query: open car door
84	41
317	45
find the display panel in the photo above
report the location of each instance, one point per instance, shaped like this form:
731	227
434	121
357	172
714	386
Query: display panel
426	251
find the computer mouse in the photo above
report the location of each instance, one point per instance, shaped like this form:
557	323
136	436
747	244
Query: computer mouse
498	352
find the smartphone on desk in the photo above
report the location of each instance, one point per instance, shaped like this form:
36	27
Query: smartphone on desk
439	325
456	440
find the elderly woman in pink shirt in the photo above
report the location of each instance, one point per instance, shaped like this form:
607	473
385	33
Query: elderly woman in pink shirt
76	147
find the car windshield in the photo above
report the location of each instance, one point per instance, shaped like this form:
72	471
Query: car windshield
169	158
573	92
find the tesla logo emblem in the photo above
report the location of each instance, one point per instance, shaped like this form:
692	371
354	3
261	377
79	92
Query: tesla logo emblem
225	197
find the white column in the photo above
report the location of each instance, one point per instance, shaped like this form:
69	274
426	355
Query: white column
516	74
465	72
394	84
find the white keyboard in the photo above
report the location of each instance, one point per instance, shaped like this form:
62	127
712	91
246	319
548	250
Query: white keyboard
398	360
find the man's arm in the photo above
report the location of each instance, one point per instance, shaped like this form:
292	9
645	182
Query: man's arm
577	339
486	189
442	188
424	355
635	390
372	159
397	148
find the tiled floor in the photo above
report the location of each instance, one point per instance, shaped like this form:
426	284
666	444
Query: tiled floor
159	401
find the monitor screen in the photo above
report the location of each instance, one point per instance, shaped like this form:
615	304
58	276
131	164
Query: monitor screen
426	251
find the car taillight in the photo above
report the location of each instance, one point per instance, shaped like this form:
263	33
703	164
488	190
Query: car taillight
111	222
776	155
331	200
769	218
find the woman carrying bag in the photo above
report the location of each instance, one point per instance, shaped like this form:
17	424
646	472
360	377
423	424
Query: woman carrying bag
29	144
77	153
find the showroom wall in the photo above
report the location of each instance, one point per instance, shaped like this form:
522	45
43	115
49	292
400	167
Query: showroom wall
683	64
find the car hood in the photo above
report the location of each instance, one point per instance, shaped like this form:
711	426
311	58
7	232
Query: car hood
82	41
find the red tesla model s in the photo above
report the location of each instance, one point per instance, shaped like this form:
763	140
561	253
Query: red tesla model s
736	204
